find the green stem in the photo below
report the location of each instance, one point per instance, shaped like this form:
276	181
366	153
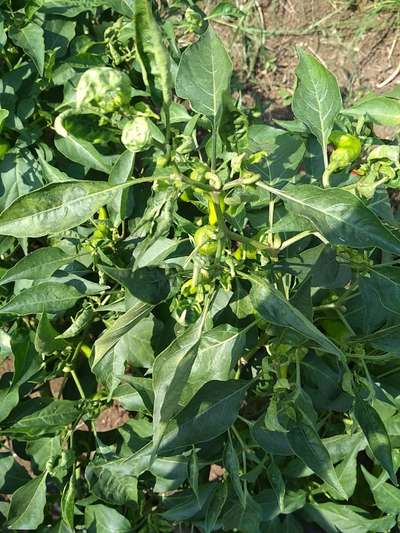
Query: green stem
78	384
325	179
168	130
370	380
241	238
239	438
214	145
296	238
388	373
343	319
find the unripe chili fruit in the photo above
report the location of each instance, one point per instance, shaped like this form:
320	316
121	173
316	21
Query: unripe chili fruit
86	350
335	329
348	148
245	251
212	211
136	134
206	240
103	87
101	230
4	147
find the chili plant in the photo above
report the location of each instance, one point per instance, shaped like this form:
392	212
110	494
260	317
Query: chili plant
229	288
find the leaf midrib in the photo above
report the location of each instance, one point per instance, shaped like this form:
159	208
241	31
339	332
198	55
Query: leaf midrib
293	199
52	209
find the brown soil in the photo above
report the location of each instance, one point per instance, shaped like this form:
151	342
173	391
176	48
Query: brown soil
359	41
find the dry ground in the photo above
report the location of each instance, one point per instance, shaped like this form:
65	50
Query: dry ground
357	40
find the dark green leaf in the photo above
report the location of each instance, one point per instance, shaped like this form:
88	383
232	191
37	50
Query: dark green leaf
42	416
38	265
376	434
171	369
307	445
204	74
27	504
54	208
48	297
30	39
102	519
215	506
316	100
340	216
68	501
212	410
273	307
387	497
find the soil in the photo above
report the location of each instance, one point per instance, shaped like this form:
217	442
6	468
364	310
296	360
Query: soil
356	41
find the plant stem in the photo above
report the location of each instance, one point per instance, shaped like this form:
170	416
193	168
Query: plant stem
239	438
241	238
214	145
325	179
168	130
296	238
78	384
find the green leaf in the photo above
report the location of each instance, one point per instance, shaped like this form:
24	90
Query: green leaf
41	416
113	483
122	325
225	9
284	153
48	297
137	344
83	152
384	283
277	483
387	497
171	370
103	519
121	205
27	504
214	507
307	445
3	115
30	39
151	51
346	472
81	321
129	397
333	517
378	109
376	434
145	389
193	473
247	520
273	307
12	474
38	265
204	74
68	501
316	100
219	351
46	340
212	410
231	463
149	284
54	208
339	215
26	363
